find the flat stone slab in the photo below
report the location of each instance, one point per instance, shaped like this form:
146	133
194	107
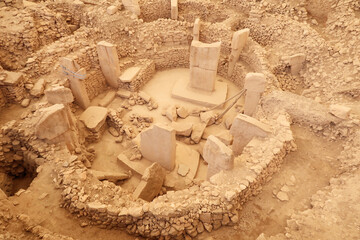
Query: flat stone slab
182	91
129	74
94	117
137	166
188	157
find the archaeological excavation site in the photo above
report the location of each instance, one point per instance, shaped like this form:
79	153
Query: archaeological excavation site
179	119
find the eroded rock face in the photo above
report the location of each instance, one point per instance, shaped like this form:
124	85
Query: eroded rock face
151	182
59	95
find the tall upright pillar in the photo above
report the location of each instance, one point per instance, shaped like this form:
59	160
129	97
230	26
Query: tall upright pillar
196	29
204	59
76	76
238	42
109	62
254	85
174	9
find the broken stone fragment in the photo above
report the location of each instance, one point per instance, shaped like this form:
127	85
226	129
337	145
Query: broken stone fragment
182	112
183	170
340	111
123	93
94	117
132	6
217	155
111	10
25	103
129	75
296	63
59	94
171	113
144	96
208	117
113	132
183	128
282	196
151	183
197	132
110	176
38	88
109	97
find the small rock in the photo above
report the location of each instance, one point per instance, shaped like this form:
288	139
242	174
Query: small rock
183	170
182	112
111	10
25	103
282	196
113	132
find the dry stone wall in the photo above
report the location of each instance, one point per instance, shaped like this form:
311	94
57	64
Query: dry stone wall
154	9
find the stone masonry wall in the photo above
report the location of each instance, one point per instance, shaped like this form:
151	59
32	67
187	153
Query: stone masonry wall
154	9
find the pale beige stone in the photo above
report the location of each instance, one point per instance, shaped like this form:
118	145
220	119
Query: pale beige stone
238	42
224	135
53	122
144	96
136	166
187	156
109	62
38	88
182	128
197	132
132	6
182	112
204	59
59	94
110	176
76	76
340	111
217	155
208	117
174	9
171	113
245	128
196	29
109	97
151	183
123	93
158	144
296	63
129	74
111	10
94	117
255	84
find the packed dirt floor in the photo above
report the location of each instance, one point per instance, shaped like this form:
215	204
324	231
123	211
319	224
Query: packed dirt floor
313	193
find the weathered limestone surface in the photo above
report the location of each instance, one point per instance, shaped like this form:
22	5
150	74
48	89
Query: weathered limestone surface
53	122
238	42
38	88
59	94
255	84
109	62
245	128
217	155
129	74
174	9
204	60
196	29
158	144
296	63
94	117
110	176
73	71
151	183
132	6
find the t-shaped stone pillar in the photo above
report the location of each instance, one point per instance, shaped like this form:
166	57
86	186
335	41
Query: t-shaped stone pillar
158	144
174	9
254	85
238	42
109	62
245	128
217	155
204	59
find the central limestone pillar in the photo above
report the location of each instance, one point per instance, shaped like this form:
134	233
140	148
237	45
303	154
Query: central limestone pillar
204	59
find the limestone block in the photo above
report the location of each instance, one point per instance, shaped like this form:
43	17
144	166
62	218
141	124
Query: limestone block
238	42
53	122
217	155
196	29
223	135
129	74
202	79
111	10
158	144
205	55
144	96
296	63
109	62
136	166
204	59
340	111
94	117
255	84
132	6
38	88
182	112
183	128
171	113
110	176
59	95
197	132
72	71
245	128
151	183
123	93
174	9
208	117
109	97
189	157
